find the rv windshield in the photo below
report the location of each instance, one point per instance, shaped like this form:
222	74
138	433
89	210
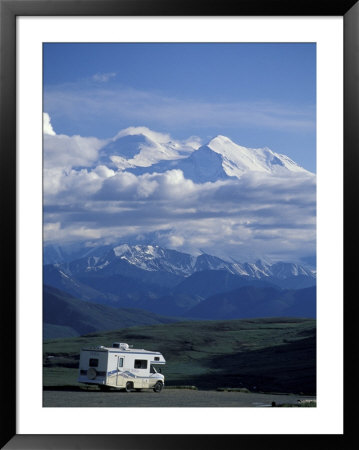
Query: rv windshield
154	370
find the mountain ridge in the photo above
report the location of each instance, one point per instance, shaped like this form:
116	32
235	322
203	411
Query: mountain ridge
255	301
165	281
154	258
140	150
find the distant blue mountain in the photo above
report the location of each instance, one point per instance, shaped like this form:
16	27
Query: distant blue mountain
164	281
253	301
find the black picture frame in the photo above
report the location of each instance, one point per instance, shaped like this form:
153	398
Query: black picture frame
9	10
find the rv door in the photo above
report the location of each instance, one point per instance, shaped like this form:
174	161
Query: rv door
120	360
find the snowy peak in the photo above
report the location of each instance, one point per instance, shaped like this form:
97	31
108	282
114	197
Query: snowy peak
237	160
142	147
219	159
224	146
153	258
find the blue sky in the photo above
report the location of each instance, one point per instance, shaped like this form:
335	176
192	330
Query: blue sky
107	103
259	95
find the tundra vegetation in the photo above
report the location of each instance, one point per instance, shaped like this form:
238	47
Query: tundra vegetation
259	355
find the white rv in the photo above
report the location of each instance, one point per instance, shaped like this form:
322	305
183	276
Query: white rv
121	367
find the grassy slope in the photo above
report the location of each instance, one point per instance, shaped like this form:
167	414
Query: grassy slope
274	354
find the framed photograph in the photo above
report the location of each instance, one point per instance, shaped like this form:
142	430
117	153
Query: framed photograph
173	181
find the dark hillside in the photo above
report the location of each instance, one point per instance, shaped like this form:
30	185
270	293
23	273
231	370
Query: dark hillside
65	315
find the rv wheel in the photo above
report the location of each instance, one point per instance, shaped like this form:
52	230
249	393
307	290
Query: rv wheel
129	386
91	373
158	386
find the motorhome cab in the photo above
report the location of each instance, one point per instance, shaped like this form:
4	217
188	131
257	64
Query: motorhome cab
121	367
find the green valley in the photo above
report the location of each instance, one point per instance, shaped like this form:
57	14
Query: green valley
268	355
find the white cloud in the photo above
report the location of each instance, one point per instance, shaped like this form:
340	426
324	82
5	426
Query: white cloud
55	232
66	152
104	172
51	231
170	185
254	216
103	77
234	218
162	138
46	124
193	142
66	186
176	241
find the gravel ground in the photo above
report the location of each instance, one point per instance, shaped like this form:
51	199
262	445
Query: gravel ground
167	398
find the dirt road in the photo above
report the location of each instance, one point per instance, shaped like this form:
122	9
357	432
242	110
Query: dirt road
167	398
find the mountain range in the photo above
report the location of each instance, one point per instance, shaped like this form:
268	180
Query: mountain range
165	281
250	302
153	258
171	283
139	150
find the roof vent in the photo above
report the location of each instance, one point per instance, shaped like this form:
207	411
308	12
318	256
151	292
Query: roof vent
120	345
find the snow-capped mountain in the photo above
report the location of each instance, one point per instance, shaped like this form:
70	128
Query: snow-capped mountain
221	159
140	150
142	147
237	160
153	258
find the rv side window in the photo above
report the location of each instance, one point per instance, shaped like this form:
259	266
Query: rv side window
93	362
140	363
120	362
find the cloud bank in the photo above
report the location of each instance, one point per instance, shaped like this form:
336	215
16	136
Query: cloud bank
255	216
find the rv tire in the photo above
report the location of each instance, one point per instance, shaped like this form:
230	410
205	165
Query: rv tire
91	373
129	386
158	386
